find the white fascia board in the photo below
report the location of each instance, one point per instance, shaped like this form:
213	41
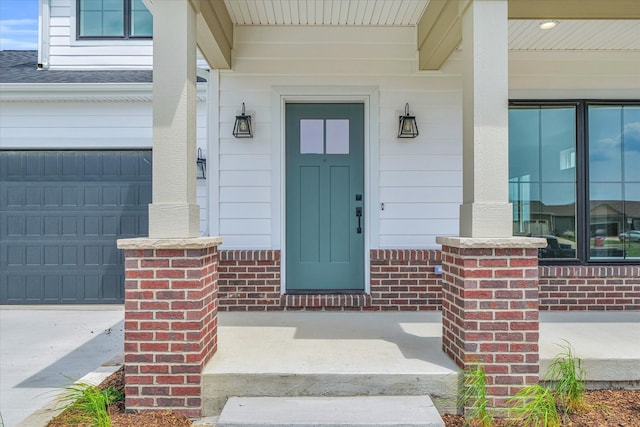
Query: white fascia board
83	92
75	91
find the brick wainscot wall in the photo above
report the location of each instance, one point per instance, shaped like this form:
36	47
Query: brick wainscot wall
401	280
405	279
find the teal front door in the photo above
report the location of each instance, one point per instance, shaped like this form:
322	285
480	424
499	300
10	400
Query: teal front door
324	198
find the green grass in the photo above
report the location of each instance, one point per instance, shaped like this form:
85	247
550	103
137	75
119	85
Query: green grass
473	397
567	380
533	406
90	403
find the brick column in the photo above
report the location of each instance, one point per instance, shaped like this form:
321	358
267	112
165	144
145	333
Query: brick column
490	309
170	321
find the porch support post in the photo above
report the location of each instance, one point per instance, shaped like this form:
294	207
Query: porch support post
171	319
174	212
490	279
486	211
490	309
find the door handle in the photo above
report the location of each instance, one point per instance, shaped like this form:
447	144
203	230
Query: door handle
359	216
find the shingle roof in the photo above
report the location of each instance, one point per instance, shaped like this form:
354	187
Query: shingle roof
21	66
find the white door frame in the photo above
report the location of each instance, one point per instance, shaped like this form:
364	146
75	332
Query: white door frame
370	97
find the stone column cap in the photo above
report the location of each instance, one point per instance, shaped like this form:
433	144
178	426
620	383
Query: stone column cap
493	242
188	243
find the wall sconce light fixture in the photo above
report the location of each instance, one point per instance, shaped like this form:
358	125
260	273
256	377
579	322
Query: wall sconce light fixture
242	128
408	127
201	164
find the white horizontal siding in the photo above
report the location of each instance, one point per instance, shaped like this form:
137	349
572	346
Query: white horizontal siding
86	125
246	210
89	125
419	180
68	52
245	178
562	75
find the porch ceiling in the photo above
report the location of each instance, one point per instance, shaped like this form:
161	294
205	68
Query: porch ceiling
585	25
326	12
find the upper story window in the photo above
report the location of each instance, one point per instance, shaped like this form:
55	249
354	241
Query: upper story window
574	178
113	19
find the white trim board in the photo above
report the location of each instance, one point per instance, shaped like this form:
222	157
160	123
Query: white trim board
370	97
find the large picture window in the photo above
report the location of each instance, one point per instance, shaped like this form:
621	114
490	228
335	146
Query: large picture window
113	19
574	178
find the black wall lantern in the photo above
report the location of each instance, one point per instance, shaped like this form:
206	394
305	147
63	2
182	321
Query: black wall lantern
242	128
201	164
408	127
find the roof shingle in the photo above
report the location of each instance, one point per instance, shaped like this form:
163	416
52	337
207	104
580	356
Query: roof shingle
21	66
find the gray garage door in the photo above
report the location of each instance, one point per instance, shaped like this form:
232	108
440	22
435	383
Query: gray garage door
61	213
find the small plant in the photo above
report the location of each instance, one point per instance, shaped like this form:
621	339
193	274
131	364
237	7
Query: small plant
473	398
533	406
90	403
567	380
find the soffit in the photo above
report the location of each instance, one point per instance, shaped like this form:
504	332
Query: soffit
524	34
592	35
326	12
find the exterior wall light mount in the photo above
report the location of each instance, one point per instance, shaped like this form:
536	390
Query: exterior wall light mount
408	128
201	164
242	127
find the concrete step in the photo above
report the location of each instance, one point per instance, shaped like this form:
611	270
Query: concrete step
370	411
329	354
219	387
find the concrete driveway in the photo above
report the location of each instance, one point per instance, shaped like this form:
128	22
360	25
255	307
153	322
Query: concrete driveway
45	348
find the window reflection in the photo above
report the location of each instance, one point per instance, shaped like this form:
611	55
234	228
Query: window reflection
542	176
614	181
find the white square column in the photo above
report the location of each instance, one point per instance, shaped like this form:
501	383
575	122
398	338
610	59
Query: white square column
486	211
174	212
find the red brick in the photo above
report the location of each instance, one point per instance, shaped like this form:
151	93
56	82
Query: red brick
185	391
155	391
175	274
152	347
170	379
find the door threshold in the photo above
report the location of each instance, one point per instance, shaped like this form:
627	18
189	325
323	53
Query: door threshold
325	292
320	301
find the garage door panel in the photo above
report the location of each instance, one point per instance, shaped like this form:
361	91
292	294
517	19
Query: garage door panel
70	289
33	255
15	226
52	196
51	226
15	256
60	216
70	256
52	288
144	194
33	196
111	287
15	196
69	226
16	289
33	225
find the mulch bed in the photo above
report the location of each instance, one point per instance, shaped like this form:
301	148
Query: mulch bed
614	408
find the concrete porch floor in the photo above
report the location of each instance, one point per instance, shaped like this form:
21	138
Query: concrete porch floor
394	353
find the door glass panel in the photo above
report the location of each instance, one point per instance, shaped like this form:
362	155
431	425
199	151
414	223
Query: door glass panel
311	136
338	136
